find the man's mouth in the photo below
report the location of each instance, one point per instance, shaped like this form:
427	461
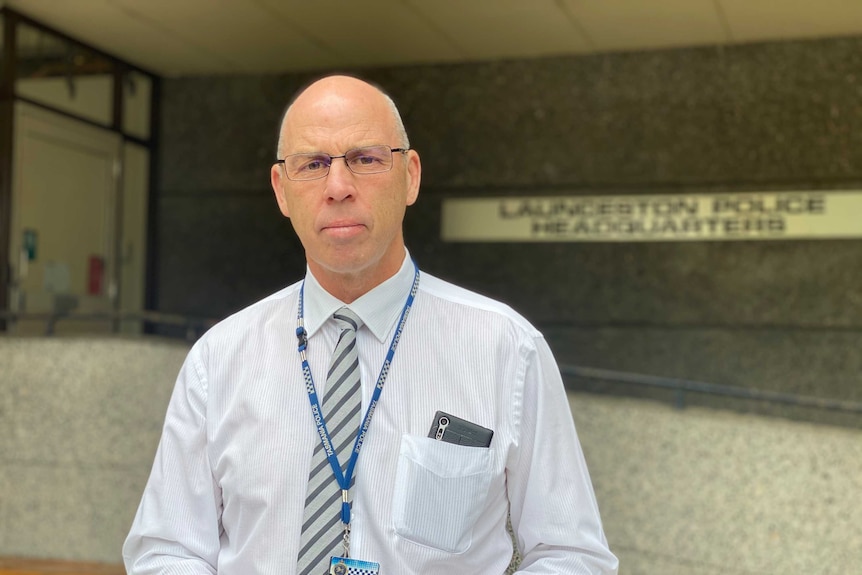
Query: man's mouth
343	229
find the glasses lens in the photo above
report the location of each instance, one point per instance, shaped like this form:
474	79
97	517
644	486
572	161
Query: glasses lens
371	160
307	166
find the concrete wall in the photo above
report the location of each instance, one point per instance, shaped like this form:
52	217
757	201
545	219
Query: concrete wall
710	492
80	419
696	492
775	315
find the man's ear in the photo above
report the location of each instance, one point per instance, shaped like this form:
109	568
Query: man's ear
276	177
414	176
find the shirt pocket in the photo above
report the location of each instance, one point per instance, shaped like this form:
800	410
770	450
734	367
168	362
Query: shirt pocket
440	491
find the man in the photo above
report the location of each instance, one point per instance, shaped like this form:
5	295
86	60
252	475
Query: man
267	465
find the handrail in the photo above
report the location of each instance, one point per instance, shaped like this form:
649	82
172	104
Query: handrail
194	326
681	386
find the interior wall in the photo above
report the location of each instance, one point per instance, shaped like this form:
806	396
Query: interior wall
779	315
64	198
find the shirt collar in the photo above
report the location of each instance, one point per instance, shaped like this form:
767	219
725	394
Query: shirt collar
379	309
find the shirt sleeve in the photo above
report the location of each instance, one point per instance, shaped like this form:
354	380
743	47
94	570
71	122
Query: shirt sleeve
554	513
177	526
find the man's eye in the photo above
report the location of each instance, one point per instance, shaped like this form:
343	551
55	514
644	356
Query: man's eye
364	160
313	165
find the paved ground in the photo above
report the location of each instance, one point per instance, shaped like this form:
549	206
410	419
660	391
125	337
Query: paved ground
701	491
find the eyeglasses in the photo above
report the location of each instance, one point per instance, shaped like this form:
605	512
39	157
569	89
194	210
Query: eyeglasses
368	160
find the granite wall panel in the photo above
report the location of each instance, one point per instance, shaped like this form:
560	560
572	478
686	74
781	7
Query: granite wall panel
218	134
774	116
734	284
73	513
80	419
222	252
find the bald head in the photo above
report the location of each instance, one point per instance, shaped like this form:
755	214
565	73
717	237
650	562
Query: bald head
349	221
321	98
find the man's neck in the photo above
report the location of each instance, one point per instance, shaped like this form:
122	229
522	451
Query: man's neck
348	287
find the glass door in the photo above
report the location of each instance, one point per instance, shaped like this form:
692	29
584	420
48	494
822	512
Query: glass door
63	229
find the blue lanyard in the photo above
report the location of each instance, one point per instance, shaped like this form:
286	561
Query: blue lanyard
344	479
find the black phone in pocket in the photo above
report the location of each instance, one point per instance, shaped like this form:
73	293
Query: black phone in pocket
451	429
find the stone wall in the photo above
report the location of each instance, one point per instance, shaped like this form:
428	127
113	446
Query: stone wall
80	419
782	315
680	491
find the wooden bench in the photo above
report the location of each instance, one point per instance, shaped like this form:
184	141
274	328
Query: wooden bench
16	566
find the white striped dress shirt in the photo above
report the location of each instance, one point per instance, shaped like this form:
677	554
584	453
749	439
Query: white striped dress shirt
227	489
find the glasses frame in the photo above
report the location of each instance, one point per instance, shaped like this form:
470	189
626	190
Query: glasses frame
342	156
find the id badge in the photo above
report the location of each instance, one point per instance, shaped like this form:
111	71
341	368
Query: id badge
347	566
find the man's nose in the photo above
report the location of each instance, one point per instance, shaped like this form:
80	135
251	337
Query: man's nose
339	181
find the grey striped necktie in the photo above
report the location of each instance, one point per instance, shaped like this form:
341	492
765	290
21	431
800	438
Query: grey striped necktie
322	530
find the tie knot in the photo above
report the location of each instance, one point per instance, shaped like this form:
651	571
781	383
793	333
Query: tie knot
347	319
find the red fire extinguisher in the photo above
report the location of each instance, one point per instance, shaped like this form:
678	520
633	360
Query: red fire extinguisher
96	275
